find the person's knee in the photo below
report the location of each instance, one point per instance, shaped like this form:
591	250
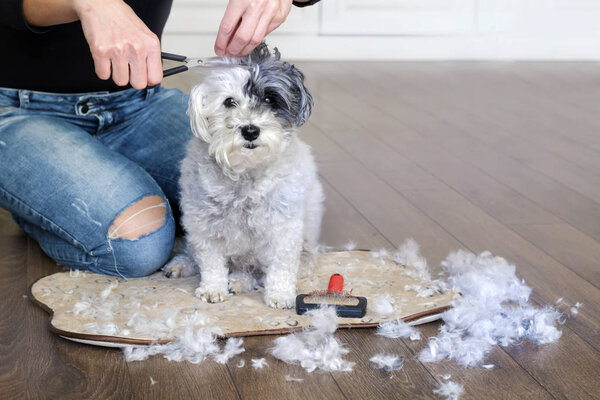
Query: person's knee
142	237
139	219
147	263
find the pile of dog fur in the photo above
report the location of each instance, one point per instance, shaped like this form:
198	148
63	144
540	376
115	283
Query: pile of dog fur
494	309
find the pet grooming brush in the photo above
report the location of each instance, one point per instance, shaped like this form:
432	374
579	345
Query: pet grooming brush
346	305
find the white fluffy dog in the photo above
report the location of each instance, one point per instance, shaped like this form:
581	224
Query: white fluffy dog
250	196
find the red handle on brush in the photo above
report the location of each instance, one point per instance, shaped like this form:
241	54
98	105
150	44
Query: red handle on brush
336	283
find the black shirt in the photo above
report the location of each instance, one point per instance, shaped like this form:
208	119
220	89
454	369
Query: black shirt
58	58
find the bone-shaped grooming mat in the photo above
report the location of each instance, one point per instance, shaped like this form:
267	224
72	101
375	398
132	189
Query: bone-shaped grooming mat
111	311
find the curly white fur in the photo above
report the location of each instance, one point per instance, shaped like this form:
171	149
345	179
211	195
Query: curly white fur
256	203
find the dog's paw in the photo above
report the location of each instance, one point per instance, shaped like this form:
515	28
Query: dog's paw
281	300
180	266
212	295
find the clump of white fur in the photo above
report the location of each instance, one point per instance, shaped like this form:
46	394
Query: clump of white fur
388	362
101	307
449	390
398	329
382	305
493	309
193	346
259	363
409	254
315	347
415	266
109	328
232	348
163	326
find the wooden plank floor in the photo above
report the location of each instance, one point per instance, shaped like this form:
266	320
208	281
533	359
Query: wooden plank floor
483	156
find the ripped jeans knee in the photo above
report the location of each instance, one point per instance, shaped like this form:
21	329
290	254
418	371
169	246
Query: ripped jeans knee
141	218
140	239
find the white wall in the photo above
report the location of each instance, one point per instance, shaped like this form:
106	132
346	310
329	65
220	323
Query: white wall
410	29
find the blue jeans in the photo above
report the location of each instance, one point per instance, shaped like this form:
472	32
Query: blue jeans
71	163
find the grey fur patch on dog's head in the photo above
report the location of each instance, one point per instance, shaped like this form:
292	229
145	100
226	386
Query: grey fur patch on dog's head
280	82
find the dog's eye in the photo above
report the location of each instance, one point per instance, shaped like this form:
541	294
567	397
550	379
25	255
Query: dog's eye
229	102
271	100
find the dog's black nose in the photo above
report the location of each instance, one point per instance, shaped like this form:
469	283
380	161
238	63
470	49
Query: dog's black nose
250	132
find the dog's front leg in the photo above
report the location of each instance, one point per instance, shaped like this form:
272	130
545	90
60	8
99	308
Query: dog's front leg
213	274
282	261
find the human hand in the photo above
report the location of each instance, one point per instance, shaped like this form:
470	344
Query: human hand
122	46
247	22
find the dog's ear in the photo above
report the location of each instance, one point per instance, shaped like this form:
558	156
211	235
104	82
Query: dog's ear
304	98
196	112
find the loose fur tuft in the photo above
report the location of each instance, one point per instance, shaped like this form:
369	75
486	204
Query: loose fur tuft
316	347
493	309
388	362
449	390
398	329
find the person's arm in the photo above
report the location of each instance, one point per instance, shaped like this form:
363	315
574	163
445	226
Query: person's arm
49	12
122	46
247	22
12	15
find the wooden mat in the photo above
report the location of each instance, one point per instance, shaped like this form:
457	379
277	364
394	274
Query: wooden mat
106	310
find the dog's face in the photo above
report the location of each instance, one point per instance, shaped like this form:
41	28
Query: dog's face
248	115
